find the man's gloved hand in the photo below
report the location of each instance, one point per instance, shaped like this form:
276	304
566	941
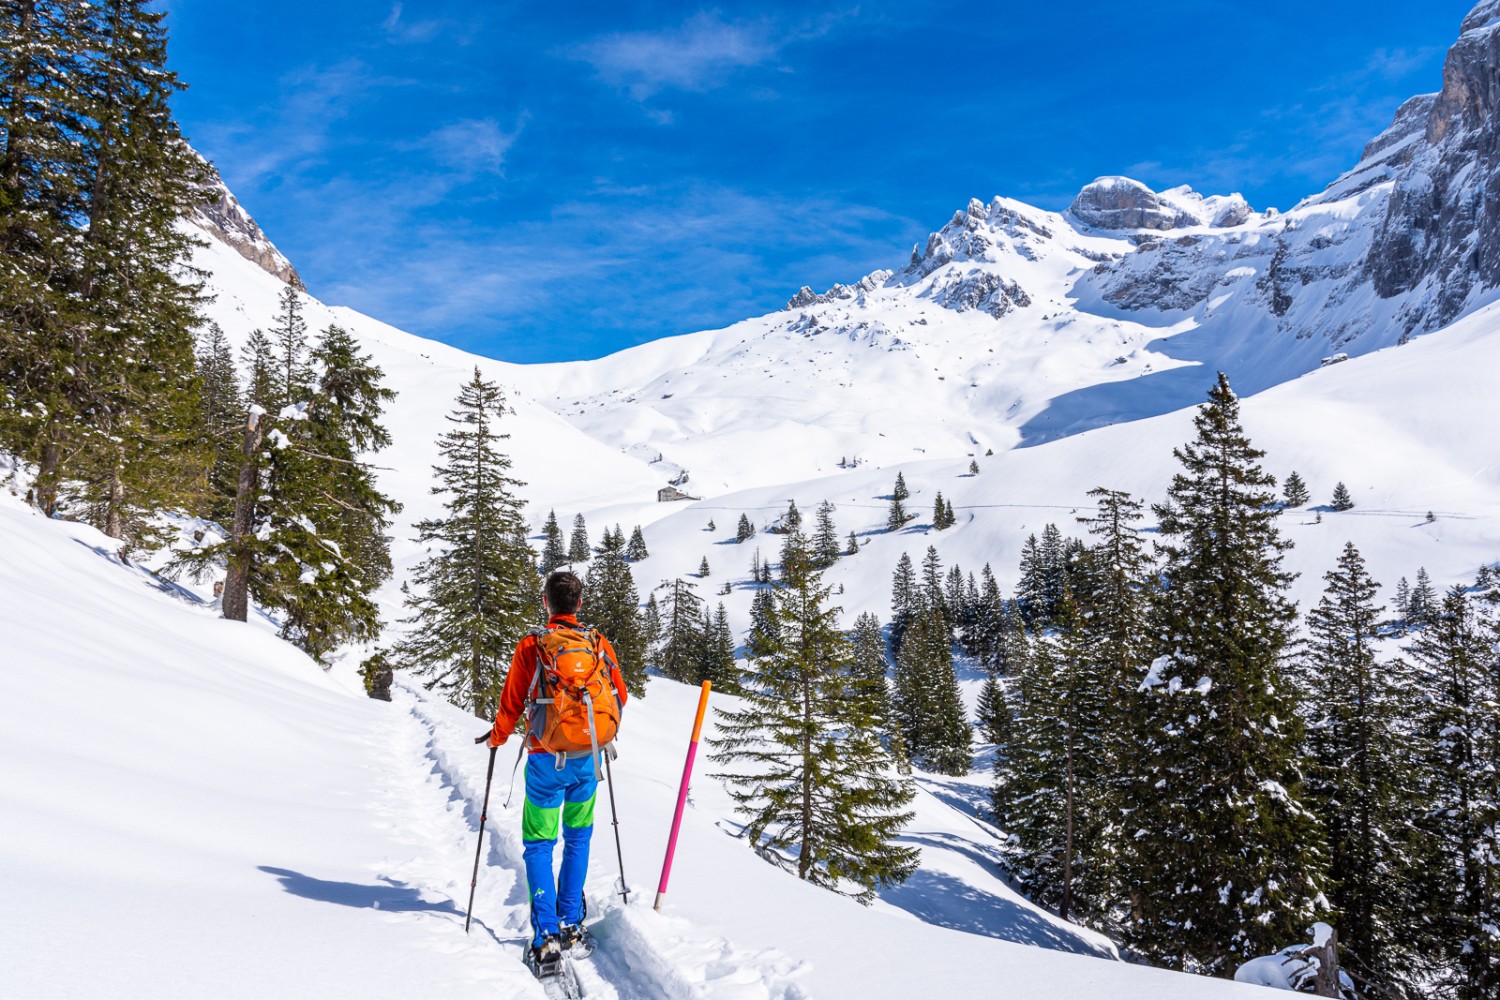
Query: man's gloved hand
488	739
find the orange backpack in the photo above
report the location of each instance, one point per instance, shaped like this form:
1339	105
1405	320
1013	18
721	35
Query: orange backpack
573	705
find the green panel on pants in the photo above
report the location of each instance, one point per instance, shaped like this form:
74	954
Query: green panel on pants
540	822
577	814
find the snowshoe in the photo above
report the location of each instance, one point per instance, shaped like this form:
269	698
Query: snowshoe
575	940
546	959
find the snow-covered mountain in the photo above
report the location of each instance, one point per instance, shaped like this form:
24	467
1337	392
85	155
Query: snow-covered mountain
214	797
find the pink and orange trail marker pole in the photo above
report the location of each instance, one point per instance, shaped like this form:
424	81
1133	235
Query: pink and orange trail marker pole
687	773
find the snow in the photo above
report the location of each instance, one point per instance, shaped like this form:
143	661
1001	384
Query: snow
192	807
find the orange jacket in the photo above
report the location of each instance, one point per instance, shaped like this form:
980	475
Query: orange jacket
518	683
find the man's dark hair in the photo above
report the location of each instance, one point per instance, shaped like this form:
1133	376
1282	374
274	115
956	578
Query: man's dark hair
564	591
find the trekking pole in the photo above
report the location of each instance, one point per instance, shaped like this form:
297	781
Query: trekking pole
687	772
483	815
609	780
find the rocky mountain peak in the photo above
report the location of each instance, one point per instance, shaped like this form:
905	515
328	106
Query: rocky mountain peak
225	219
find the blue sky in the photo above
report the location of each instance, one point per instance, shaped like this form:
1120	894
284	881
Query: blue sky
546	181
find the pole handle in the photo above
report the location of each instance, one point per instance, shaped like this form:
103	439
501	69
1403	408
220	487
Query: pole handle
481	739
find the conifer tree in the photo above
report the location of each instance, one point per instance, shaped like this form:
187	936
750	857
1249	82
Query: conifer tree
973	467
1031	591
1359	774
474	595
553	553
868	671
810	775
899	491
1223	857
1403	604
1341	498
1422	604
681	631
925	698
261	384
825	542
745	529
764	632
703	568
939	513
343	513
1054	794
636	551
719	664
578	544
1295	491
852	549
905	600
611	604
651	630
897	517
993	715
933	595
221	416
1458	733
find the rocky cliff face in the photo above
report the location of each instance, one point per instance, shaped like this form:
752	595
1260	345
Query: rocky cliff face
1440	237
226	220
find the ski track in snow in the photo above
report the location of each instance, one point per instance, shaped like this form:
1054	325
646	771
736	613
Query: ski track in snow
437	794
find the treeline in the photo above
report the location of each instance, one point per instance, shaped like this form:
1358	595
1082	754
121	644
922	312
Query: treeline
1176	768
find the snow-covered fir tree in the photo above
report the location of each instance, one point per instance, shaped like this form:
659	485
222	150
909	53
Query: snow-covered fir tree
554	554
925	700
1223	856
611	603
1341	498
744	529
1054	794
680	655
820	794
473	596
869	670
718	665
578	542
221	416
1295	490
636	550
1359	776
825	540
1458	737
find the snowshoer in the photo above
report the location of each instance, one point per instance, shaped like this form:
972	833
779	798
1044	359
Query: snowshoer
565	679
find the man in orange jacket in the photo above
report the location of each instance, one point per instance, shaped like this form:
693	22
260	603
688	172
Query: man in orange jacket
560	787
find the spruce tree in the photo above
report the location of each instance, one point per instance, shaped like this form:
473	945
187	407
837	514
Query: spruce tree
651	630
973	467
681	631
578	544
553	553
905	600
1359	774
816	786
330	600
1031	591
703	568
939	513
993	715
474	595
718	665
1223	856
1422	604
1341	498
745	529
852	549
925	699
636	551
1295	491
1458	735
897	517
1054	796
611	604
825	542
869	669
221	416
899	491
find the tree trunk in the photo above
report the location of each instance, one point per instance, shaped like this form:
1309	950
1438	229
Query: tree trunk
1326	983
114	517
236	602
47	475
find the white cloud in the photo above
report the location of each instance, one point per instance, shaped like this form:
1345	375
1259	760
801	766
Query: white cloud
473	146
699	55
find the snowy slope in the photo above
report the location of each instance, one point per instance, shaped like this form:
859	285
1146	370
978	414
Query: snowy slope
191	808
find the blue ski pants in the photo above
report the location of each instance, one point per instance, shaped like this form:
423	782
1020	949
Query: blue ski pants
557	798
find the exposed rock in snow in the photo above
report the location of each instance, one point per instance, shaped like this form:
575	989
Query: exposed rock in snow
226	220
1123	203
